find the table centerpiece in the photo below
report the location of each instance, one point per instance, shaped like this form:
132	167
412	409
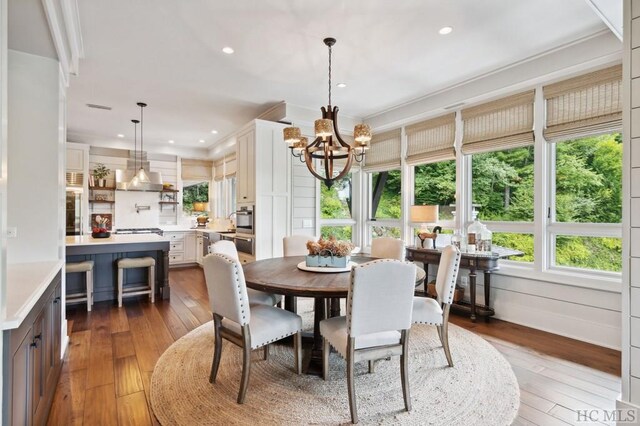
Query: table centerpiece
330	253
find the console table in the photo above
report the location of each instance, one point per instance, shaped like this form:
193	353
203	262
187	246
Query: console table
476	262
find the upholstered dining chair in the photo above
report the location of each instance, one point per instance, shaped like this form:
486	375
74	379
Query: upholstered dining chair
387	248
436	311
296	245
377	322
255	296
248	326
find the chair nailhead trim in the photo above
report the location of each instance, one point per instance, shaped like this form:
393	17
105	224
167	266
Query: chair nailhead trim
276	339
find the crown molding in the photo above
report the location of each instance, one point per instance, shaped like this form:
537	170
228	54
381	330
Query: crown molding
64	26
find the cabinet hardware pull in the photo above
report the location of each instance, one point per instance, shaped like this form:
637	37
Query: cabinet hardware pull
37	336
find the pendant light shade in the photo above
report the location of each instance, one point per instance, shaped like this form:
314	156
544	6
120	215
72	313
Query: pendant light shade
291	135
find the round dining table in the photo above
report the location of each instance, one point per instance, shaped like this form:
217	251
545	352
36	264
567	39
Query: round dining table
281	275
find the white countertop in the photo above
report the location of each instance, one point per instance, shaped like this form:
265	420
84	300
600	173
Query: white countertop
26	282
86	240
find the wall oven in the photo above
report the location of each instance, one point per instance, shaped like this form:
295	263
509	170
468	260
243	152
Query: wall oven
245	245
245	220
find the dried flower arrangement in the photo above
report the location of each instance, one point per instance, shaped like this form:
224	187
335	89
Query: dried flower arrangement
330	247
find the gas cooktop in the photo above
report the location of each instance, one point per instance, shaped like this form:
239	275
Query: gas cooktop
139	231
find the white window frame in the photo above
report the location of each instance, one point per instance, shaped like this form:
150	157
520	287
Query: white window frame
355	198
369	222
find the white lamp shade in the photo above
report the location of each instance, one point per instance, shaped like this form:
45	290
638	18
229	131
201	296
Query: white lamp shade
424	214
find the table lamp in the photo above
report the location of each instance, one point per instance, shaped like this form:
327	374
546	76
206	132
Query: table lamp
425	215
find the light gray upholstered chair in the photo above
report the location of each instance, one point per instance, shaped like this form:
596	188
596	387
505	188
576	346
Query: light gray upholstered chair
436	311
296	245
250	327
387	248
255	296
377	322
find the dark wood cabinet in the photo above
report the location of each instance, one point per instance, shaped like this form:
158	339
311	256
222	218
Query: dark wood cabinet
32	361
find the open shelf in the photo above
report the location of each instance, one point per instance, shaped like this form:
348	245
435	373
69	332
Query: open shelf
102	201
169	190
168	202
102	188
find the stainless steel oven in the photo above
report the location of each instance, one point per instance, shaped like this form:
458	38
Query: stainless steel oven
245	245
245	220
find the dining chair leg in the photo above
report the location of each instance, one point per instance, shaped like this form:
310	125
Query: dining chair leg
246	363
326	350
217	351
439	328
297	349
372	366
445	336
266	352
404	370
350	380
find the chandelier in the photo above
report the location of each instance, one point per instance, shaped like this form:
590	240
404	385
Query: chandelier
329	147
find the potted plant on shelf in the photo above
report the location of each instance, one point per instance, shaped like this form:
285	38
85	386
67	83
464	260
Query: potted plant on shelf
100	173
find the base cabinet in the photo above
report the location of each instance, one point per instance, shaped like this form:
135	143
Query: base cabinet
183	247
32	361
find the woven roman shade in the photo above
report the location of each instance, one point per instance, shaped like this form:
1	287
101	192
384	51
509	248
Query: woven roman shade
432	140
384	153
196	169
502	124
584	105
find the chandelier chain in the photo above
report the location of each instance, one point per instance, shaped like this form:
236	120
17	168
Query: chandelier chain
329	75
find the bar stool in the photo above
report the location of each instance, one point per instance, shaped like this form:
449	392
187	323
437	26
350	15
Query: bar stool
87	267
137	262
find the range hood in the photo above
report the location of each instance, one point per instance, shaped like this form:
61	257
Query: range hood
123	177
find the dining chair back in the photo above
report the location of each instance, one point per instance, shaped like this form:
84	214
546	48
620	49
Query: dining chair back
227	288
371	307
447	274
228	248
249	327
387	248
225	247
377	322
296	245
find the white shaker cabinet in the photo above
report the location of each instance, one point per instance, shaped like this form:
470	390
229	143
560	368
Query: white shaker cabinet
75	159
182	247
264	181
190	247
246	164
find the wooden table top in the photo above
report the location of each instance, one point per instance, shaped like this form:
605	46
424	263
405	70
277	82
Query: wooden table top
281	275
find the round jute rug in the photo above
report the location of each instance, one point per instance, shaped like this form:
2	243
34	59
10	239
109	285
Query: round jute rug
480	389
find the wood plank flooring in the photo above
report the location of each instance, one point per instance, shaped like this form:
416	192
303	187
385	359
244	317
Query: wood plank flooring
107	371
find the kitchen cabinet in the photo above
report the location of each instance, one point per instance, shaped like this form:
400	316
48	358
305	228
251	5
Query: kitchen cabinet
263	180
182	247
75	159
246	177
199	248
32	361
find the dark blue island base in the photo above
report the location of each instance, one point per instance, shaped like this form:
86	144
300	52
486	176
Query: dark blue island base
105	269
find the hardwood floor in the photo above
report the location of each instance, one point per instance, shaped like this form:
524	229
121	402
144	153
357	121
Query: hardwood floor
107	371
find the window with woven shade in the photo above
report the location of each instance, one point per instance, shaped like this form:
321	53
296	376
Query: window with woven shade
196	170
432	140
502	124
384	153
585	105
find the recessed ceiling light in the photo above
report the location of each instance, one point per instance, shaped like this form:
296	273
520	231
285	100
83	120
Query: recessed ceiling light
215	132
341	85
445	30
201	141
228	50
172	141
120	135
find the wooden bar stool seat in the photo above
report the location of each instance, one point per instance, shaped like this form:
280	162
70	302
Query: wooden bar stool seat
87	267
137	262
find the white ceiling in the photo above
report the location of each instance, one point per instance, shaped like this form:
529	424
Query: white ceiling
168	54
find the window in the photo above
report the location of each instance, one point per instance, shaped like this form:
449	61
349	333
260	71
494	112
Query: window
225	196
336	204
194	192
385	204
435	185
587	203
522	242
503	185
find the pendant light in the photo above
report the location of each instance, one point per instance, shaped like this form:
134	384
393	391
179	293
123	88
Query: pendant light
142	175
135	181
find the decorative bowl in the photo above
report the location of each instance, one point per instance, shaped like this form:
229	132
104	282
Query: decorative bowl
101	234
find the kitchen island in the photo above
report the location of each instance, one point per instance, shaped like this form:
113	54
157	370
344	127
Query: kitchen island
106	251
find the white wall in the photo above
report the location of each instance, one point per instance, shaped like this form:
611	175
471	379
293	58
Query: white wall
125	210
3	167
33	136
303	206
